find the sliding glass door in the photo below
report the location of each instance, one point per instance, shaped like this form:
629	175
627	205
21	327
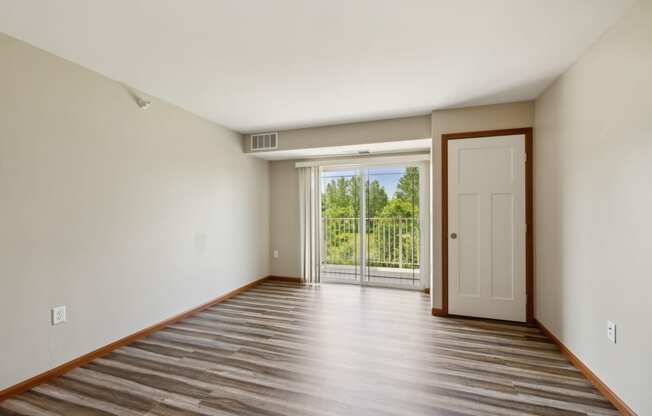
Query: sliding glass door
372	225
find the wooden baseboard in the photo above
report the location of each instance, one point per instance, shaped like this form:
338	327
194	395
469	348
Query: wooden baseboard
586	371
438	312
285	279
84	359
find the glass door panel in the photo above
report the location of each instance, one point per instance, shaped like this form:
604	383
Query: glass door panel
340	225
392	226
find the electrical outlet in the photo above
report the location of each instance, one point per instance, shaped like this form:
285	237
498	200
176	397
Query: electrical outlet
58	315
275	254
611	331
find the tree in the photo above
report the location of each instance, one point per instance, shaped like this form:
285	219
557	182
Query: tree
341	198
399	208
405	203
408	186
376	199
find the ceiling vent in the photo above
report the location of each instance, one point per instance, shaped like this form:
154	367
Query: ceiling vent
264	141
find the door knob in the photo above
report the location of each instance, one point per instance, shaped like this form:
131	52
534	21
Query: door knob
453	236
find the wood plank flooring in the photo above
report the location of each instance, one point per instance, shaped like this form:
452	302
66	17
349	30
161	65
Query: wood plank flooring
285	349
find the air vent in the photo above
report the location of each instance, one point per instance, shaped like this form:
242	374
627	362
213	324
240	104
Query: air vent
264	141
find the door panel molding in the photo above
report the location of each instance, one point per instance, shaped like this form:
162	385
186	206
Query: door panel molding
529	211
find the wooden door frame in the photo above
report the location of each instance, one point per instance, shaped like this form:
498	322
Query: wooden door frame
529	227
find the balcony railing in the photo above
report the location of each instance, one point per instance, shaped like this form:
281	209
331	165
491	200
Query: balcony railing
389	242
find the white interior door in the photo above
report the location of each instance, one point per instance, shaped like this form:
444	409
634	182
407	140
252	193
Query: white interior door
486	227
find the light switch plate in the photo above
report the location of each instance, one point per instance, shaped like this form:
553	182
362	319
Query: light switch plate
58	315
611	331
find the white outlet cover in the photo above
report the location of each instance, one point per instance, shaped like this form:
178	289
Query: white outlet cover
611	331
58	315
275	254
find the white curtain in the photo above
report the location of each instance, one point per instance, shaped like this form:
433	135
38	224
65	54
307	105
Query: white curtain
310	223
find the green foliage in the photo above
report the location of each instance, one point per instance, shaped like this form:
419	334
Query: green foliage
343	248
391	240
338	212
341	198
408	186
376	199
399	208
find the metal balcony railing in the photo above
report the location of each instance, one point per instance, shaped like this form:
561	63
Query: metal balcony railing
389	242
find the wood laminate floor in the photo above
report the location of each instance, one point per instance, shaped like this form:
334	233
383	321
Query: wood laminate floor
284	349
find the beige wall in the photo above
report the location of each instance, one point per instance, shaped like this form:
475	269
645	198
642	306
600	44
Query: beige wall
593	216
126	216
284	219
490	117
406	128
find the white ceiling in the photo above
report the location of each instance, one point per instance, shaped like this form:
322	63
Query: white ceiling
256	65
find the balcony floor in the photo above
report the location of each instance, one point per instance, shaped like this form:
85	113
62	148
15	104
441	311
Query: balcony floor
390	276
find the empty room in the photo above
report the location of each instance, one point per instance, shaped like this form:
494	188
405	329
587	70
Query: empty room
325	208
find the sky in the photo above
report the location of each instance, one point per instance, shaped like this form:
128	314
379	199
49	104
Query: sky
387	177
